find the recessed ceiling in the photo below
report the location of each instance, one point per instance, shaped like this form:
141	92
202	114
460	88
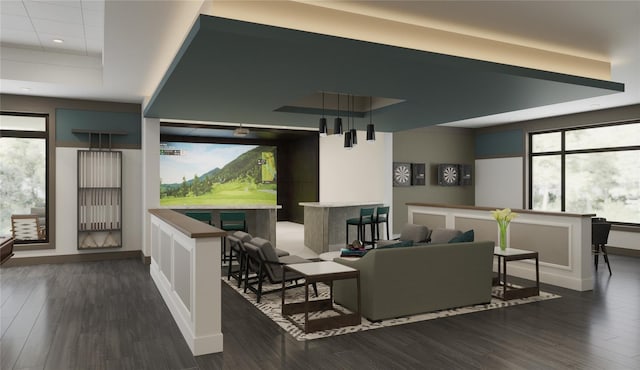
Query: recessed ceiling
69	27
234	71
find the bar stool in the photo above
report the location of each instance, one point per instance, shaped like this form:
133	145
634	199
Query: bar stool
231	221
366	218
599	238
382	215
203	216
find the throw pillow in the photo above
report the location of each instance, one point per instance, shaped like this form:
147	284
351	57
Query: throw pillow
443	235
400	244
415	233
463	238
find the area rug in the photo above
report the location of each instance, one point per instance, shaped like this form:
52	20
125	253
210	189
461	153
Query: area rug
270	304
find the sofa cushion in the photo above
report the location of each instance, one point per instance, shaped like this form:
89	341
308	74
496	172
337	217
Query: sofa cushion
443	235
398	244
415	233
467	236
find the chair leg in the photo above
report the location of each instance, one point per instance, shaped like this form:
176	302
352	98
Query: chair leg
260	277
315	289
387	224
372	237
246	276
606	258
224	249
347	241
377	231
595	257
243	265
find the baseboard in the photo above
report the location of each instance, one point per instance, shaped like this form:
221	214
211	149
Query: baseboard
146	260
68	258
623	251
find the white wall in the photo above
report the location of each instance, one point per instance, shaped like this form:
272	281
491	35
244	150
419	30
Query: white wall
361	174
499	182
66	235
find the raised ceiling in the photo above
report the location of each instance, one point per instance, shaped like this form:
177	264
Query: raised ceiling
235	71
141	38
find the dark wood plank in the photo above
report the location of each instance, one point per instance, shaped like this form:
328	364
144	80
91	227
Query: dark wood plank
109	315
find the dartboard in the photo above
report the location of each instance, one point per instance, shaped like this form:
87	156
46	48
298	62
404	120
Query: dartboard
450	174
402	174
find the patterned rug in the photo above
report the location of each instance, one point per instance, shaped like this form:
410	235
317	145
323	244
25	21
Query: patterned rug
270	304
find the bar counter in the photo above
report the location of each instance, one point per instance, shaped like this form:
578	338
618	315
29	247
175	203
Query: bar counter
325	224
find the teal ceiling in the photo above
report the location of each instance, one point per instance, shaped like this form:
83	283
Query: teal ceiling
234	71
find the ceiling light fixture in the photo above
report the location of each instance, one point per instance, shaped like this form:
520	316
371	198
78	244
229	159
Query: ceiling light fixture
58	41
241	131
337	123
322	126
354	132
371	130
347	134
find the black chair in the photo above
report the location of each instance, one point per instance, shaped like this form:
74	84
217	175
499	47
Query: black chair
204	216
231	221
599	237
366	218
236	245
262	260
382	216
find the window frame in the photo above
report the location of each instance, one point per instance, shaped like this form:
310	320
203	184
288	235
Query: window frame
563	152
46	135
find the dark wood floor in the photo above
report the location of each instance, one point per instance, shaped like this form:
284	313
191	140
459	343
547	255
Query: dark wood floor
109	315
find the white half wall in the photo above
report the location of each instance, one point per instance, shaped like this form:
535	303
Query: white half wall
499	182
361	174
67	211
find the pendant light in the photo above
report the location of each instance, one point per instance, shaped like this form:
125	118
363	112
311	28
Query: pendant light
322	126
354	132
371	130
347	134
337	123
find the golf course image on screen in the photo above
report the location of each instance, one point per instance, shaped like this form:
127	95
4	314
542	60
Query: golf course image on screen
217	174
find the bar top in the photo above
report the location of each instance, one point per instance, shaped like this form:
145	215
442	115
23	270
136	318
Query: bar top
188	226
338	204
529	211
226	206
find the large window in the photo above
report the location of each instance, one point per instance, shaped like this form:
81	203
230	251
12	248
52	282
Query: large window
23	177
587	170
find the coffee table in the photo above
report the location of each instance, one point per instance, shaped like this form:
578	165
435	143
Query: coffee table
512	254
325	272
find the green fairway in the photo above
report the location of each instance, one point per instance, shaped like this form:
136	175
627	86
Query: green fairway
228	193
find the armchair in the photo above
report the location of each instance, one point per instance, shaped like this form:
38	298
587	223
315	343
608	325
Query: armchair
264	262
26	227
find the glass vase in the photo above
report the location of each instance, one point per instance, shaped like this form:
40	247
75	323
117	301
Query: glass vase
503	236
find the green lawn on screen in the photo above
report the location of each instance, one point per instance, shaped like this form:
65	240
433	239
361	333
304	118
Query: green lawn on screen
228	193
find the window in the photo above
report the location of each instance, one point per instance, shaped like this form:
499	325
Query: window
587	170
24	176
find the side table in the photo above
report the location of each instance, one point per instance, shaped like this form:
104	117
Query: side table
512	254
325	272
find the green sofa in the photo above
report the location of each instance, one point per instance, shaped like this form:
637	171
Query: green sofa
398	282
